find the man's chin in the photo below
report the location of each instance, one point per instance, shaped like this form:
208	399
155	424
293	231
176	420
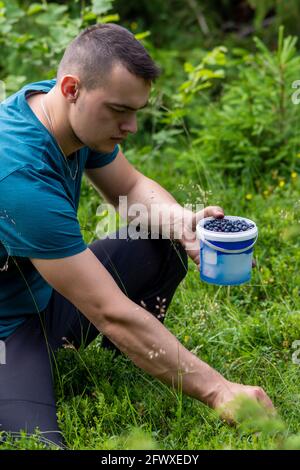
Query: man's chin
105	147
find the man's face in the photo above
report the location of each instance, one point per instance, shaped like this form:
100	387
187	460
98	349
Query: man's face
103	117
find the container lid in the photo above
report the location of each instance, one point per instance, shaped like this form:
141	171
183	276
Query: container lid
202	233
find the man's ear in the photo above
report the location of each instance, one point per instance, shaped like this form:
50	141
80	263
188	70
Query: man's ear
69	86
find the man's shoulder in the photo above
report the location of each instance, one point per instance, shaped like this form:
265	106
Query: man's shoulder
23	138
37	218
43	85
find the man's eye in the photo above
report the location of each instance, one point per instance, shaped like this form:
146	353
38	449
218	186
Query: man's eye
119	110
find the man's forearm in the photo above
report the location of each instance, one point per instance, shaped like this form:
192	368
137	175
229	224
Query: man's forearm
163	213
138	334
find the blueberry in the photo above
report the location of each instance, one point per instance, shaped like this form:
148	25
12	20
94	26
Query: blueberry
227	226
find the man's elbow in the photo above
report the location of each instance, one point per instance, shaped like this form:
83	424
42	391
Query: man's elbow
109	316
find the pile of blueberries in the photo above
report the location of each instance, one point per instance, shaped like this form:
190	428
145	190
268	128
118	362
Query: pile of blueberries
227	225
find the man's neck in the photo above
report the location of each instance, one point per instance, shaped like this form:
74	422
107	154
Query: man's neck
61	130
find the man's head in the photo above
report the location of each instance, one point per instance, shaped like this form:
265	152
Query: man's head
104	77
92	55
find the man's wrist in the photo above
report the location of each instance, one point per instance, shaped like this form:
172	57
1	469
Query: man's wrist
211	386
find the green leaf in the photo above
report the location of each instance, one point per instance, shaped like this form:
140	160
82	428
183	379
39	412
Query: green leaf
109	18
53	13
5	28
188	67
186	85
89	16
206	74
22	39
280	39
99	7
202	87
14	82
35	8
143	35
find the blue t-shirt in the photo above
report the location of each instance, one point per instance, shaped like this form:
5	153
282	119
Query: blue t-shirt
38	205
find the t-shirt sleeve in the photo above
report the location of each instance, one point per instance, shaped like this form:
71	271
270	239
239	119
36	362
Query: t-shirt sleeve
37	218
98	159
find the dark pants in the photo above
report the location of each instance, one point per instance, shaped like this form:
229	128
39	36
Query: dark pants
148	271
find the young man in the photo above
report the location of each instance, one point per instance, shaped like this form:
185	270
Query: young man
53	286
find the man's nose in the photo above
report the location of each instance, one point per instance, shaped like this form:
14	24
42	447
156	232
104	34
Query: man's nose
130	125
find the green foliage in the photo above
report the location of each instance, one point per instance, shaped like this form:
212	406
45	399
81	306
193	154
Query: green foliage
24	442
200	77
33	38
285	13
208	22
247	128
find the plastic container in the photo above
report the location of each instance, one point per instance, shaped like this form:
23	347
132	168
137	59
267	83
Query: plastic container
226	257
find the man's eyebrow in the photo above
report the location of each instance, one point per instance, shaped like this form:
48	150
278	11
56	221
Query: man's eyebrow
119	105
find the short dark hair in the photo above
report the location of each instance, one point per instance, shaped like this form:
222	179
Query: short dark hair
93	53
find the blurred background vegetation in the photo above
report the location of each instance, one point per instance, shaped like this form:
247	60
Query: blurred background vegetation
222	107
223	104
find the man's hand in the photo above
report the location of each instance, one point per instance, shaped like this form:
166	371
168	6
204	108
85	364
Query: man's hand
231	397
189	237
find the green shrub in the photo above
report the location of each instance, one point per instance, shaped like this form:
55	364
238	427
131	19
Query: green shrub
234	116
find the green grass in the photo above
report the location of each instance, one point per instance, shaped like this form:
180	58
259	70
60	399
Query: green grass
244	332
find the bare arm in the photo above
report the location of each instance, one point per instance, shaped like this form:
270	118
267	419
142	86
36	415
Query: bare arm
120	178
87	284
161	212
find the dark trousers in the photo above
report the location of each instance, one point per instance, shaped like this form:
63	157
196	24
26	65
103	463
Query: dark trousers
147	271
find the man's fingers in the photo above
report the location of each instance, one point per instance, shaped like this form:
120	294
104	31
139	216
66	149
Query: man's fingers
243	405
263	398
194	255
210	211
213	211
